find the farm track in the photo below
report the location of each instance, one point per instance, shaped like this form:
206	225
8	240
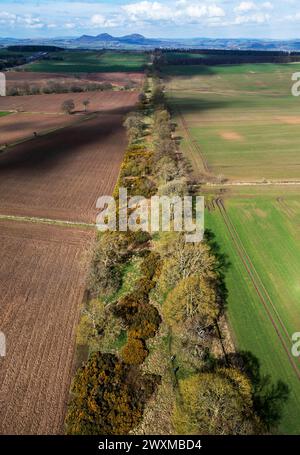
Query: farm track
192	143
260	289
73	224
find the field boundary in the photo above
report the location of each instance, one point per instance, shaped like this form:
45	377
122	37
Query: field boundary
28	219
192	143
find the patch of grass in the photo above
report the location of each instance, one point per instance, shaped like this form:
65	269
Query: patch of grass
120	341
3	114
90	62
130	274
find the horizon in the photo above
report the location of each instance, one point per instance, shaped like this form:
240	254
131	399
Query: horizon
179	38
230	19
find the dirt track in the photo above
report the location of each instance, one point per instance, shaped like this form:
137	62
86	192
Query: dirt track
39	311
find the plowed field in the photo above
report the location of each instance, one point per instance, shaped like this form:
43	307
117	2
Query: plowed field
61	175
42	281
109	101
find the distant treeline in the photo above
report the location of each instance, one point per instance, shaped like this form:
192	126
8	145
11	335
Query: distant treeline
32	48
9	61
222	57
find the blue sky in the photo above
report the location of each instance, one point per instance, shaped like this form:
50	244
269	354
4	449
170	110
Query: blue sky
153	18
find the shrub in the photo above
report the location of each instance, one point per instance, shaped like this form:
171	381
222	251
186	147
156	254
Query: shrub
134	352
145	322
108	397
151	265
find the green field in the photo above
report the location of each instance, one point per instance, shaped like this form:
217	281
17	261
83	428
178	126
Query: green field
2	114
268	228
243	117
241	122
90	62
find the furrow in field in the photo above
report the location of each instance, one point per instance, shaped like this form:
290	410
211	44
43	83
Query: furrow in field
192	143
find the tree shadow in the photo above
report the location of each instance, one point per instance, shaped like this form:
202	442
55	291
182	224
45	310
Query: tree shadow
222	266
269	397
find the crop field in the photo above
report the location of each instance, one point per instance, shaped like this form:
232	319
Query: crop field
241	123
46	182
61	175
39	312
243	119
108	101
90	62
260	232
21	126
22	78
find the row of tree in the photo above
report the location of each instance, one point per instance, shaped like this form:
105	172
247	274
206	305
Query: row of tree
110	391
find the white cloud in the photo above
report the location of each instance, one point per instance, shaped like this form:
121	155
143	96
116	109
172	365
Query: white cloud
256	18
253	13
147	10
245	7
70	25
197	11
267	5
184	12
98	20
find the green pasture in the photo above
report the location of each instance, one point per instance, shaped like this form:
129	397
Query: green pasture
243	117
90	62
269	230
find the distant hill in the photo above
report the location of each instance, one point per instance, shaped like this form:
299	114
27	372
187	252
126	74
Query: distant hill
134	39
138	41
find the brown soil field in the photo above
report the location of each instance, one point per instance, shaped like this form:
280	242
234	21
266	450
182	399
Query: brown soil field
44	267
18	126
17	78
39	312
99	101
62	174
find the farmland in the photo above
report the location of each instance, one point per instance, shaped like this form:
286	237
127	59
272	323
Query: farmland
108	101
68	170
263	288
242	117
49	188
90	62
39	311
240	124
25	79
21	126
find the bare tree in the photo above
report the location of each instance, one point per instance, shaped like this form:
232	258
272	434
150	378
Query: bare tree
68	106
86	103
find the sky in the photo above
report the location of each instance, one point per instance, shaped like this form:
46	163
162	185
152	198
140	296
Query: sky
275	19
